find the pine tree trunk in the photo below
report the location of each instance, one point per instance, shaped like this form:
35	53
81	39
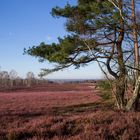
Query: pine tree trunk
120	82
135	37
135	96
119	94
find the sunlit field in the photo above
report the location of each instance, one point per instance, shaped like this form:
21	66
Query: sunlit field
63	111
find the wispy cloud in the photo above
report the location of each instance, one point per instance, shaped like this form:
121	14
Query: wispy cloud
48	38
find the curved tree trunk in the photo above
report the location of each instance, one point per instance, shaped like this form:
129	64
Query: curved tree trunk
120	77
135	96
120	82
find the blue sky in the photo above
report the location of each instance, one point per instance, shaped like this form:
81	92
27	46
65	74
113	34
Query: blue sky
26	23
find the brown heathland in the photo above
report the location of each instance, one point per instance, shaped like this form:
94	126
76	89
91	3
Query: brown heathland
63	111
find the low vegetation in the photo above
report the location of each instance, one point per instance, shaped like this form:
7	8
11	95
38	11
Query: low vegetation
99	125
106	91
68	111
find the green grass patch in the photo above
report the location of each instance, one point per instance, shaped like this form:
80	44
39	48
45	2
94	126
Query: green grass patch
106	95
104	84
105	87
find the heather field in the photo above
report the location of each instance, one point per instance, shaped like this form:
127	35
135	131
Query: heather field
65	111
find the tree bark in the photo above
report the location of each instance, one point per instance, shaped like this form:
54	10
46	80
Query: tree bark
119	94
135	95
120	82
135	37
134	101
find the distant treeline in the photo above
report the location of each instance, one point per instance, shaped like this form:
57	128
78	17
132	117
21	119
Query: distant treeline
73	80
11	80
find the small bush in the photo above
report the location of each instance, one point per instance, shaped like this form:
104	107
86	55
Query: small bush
105	89
104	85
106	95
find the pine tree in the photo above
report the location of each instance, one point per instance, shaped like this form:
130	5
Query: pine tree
98	31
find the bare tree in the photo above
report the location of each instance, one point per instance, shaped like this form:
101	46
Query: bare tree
30	78
13	75
4	76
